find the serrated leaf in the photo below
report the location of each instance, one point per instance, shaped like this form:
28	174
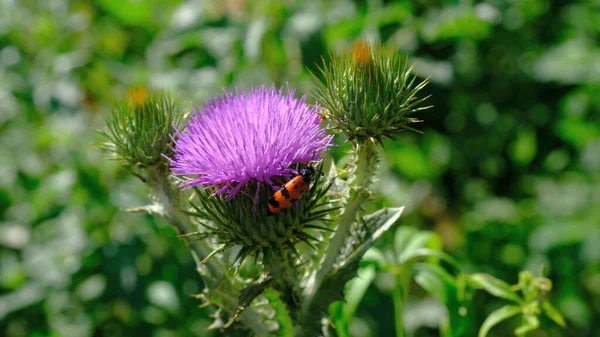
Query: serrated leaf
553	313
374	257
496	287
286	326
339	187
496	317
380	221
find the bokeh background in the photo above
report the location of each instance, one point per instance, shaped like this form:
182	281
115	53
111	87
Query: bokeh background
507	169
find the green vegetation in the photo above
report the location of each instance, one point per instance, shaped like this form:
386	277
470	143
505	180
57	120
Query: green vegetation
504	178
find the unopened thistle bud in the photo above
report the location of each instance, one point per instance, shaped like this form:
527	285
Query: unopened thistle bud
139	127
369	93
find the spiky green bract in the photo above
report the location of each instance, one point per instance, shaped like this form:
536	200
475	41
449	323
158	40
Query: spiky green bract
369	93
241	222
270	238
139	128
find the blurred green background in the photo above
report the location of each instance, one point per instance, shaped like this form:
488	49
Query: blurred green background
507	169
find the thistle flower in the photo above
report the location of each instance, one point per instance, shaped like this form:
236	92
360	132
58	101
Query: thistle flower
235	151
237	139
368	93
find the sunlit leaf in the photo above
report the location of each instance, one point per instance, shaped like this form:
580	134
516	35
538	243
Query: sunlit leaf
495	287
374	257
435	280
419	253
355	290
496	317
403	237
532	322
553	313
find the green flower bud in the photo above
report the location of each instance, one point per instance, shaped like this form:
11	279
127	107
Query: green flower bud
139	128
368	93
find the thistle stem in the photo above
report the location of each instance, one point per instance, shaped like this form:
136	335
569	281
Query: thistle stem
212	270
363	168
285	279
170	200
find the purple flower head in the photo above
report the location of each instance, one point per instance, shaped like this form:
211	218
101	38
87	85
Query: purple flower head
238	138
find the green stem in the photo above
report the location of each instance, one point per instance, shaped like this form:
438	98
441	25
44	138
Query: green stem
398	298
212	271
285	277
170	200
364	168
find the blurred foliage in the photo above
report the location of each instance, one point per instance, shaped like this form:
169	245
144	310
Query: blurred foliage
507	171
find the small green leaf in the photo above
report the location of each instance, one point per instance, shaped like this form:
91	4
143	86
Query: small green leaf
402	238
447	289
374	257
495	287
435	280
355	290
553	313
425	253
496	317
336	312
531	323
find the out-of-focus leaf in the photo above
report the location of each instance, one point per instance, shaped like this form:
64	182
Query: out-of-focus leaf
553	313
445	288
355	290
336	313
129	12
374	257
524	148
495	287
425	253
403	236
496	317
532	322
435	280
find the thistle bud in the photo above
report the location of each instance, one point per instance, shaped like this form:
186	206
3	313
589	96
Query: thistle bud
139	128
369	93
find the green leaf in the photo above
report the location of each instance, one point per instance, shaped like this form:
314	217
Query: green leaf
553	313
447	289
416	254
531	323
336	312
495	287
435	280
129	12
286	327
419	240
374	257
355	290
402	238
496	317
382	221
